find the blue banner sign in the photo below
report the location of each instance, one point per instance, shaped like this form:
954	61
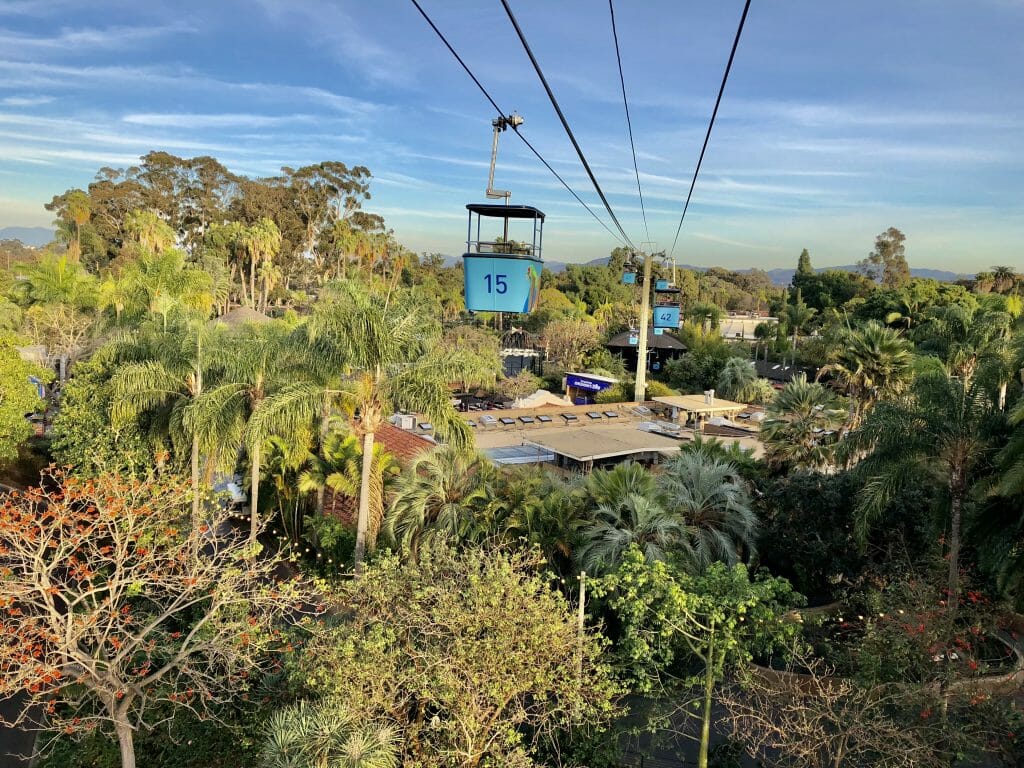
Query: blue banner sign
580	382
501	283
666	317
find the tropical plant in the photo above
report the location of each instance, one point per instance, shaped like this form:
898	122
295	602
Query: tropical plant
797	316
389	351
938	430
797	431
440	495
159	283
736	377
707	493
163	376
58	280
633	521
873	362
325	734
254	363
339	467
262	242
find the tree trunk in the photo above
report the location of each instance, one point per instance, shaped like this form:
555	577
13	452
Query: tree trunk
325	423
364	501
1002	396
705	725
126	743
956	497
254	493
252	282
195	480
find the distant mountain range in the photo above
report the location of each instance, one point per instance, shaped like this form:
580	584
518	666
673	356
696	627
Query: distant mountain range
783	276
34	236
778	276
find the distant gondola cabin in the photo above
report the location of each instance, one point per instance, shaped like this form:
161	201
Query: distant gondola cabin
502	274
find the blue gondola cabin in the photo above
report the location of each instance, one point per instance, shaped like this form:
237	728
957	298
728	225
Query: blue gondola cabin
502	275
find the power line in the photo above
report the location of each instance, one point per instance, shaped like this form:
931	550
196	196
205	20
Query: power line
565	123
502	113
629	124
714	113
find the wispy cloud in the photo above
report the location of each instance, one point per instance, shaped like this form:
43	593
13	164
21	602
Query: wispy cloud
72	40
338	32
25	101
56	76
186	120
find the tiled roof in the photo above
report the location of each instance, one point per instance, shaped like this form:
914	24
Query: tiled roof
404	446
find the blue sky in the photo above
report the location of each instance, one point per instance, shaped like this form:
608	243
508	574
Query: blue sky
840	119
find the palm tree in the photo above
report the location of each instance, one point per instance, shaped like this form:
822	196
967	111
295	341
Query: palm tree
326	735
765	332
1004	277
339	467
634	520
798	423
440	494
390	352
161	282
873	362
709	495
609	487
738	379
254	364
164	376
797	316
964	339
262	241
936	431
542	510
59	280
149	231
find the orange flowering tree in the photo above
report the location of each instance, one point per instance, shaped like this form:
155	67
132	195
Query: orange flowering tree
111	603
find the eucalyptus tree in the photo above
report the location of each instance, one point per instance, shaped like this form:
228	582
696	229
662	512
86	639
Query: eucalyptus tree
871	362
796	430
255	361
939	431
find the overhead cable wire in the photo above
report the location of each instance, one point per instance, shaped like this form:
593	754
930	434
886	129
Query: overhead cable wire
501	113
629	123
565	123
711	124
